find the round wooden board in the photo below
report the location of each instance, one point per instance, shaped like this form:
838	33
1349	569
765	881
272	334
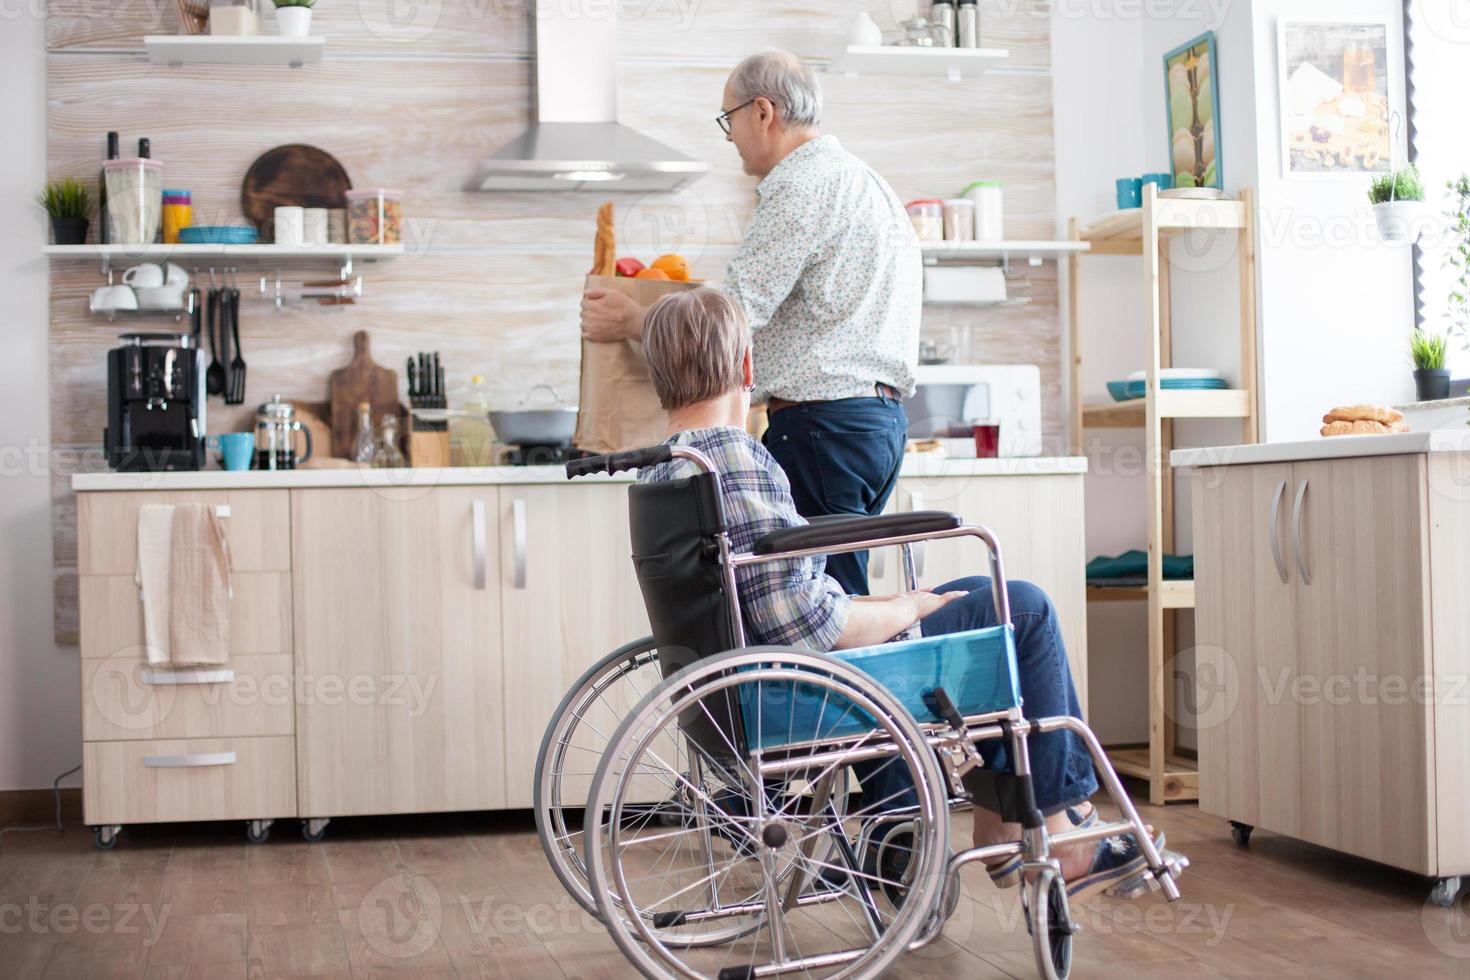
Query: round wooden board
296	174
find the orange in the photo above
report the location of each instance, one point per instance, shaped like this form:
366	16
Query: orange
650	273
672	264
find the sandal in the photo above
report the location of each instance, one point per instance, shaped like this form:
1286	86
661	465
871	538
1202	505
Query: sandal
1007	872
1117	861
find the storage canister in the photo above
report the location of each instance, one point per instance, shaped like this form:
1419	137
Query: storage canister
927	215
959	220
989	224
178	213
374	216
134	200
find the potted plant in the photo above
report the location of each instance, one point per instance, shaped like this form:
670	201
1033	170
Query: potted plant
1431	378
294	17
68	203
1398	199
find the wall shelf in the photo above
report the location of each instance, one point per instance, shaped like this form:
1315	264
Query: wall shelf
129	254
892	59
1034	252
177	50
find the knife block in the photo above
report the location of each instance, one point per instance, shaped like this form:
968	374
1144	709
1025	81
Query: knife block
428	448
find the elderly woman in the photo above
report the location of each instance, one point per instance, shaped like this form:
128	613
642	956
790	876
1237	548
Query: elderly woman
698	350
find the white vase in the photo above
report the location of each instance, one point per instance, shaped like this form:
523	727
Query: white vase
1398	221
293	21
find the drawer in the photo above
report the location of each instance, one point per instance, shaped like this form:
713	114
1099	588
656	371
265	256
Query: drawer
125	698
189	779
110	614
258	526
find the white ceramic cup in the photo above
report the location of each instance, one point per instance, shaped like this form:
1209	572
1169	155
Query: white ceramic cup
337	226
110	299
165	297
314	225
290	225
174	275
145	276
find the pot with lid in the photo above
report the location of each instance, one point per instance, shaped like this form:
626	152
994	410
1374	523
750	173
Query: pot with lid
276	426
551	424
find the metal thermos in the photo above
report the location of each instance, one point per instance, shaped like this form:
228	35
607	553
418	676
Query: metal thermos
941	21
968	24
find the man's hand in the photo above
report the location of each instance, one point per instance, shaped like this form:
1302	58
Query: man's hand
877	619
608	316
926	601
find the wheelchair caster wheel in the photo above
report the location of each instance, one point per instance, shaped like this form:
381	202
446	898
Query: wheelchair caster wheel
1052	928
258	831
1241	832
105	838
312	831
1444	892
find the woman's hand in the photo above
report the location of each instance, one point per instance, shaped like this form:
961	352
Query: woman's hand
608	316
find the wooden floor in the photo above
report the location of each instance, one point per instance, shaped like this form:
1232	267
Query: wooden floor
471	896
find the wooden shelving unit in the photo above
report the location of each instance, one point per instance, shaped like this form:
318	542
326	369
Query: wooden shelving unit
1145	232
1034	252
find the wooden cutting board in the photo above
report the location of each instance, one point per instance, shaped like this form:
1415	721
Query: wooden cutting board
294	174
360	381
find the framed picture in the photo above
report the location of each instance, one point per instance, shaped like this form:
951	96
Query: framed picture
1335	106
1192	107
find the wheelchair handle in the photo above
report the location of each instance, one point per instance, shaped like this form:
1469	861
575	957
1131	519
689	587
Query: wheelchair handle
632	459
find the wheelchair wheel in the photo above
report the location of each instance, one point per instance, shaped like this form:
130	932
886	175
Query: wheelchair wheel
1052	928
751	871
572	748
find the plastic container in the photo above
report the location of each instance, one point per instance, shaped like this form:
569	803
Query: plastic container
471	440
927	215
989	217
374	216
134	200
976	668
178	214
959	220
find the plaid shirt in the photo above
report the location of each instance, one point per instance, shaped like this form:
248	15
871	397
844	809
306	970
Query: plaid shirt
785	603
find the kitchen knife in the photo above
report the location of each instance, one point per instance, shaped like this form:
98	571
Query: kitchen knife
413	390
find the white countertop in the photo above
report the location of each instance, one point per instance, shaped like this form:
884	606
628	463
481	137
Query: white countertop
1454	439
915	465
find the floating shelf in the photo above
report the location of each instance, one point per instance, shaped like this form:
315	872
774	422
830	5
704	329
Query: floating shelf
892	59
1229	403
1032	251
209	49
1173	594
365	253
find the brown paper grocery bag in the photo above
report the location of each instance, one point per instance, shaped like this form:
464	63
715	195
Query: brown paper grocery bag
617	408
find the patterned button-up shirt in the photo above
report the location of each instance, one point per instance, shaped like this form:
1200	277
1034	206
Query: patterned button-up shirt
830	277
787	603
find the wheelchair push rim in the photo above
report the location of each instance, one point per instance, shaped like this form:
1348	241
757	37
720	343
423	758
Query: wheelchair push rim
816	917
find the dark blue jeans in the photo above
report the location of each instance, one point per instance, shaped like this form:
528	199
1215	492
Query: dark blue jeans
842	457
1061	767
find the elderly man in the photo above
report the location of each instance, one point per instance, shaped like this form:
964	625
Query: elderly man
829	277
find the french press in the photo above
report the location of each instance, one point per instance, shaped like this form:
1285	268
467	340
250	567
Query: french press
276	426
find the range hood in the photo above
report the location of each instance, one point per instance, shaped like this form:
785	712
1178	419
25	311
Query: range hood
576	142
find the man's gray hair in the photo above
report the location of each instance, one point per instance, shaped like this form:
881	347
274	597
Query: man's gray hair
786	80
695	343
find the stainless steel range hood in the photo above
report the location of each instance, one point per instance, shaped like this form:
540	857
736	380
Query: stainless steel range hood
577	142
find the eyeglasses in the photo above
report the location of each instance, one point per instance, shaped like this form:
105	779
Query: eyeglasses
724	118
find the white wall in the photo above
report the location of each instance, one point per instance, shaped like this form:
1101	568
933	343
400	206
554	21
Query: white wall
39	724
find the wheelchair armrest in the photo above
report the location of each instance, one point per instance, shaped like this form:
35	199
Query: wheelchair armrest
832	532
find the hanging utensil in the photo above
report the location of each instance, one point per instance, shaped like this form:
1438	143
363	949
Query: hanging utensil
237	365
214	378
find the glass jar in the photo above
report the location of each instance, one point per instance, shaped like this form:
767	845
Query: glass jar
387	455
374	216
234	18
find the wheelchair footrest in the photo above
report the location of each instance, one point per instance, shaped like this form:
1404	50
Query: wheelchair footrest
998	792
737	973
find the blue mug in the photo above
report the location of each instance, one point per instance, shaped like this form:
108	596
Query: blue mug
1130	193
1165	181
236	449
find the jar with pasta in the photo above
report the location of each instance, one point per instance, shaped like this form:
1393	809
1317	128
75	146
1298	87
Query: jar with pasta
374	216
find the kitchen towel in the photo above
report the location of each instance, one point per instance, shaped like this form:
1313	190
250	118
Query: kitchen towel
155	536
199	583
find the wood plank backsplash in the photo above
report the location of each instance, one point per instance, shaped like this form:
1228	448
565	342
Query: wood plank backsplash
413	96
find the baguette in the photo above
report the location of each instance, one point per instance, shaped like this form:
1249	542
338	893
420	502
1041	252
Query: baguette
605	246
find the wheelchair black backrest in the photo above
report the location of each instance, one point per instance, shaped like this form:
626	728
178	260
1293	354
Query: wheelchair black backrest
675	527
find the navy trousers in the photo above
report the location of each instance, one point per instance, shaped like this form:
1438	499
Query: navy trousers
841	457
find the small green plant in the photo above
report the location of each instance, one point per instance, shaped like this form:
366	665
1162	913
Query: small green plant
1397	185
67	198
1458	257
294	3
1427	350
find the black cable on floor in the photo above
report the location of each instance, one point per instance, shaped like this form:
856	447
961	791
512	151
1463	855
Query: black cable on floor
55	788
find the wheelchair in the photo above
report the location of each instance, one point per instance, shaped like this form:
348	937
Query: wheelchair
714	804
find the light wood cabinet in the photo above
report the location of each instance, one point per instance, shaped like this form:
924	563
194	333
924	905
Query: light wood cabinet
400	702
1324	661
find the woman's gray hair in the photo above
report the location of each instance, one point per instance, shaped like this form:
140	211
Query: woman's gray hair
695	343
786	80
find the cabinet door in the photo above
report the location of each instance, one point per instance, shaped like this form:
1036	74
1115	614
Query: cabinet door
399	700
1249	725
569	596
1360	573
1038	521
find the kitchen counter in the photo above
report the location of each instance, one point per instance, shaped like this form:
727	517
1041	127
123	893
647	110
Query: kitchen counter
349	476
1447	440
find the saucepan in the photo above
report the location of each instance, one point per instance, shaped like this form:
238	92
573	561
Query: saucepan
552	425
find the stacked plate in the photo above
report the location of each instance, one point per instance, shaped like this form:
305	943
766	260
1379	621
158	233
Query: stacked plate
1170	379
218	235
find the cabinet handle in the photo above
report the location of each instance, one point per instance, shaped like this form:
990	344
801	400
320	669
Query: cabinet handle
1296	532
518	532
193	760
1276	530
477	541
196	675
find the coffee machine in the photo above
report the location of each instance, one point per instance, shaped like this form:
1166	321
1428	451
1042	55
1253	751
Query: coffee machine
155	403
